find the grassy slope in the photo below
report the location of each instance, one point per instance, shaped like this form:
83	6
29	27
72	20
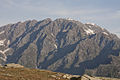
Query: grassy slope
25	74
32	74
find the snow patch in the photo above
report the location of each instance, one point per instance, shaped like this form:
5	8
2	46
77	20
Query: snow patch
105	33
89	31
4	59
52	34
2	32
64	30
55	46
8	42
6	50
69	19
2	42
3	52
90	26
91	23
103	28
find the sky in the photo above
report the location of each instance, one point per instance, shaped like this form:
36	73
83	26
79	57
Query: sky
105	13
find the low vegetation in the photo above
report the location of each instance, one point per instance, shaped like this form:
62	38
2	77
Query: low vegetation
20	73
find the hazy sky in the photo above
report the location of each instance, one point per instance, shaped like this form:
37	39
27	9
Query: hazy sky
105	13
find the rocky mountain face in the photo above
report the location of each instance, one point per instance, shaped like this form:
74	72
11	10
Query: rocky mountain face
62	45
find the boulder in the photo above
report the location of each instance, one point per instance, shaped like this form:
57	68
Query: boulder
86	77
13	65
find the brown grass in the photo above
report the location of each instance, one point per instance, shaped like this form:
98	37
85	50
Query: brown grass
33	74
25	74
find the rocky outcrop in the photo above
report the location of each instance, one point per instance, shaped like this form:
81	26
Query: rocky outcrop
86	77
13	65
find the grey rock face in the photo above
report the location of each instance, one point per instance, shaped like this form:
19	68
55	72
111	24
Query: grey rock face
61	45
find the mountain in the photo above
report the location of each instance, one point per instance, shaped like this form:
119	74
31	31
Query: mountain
62	45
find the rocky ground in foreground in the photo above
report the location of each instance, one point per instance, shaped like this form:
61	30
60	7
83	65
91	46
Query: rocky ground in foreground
18	72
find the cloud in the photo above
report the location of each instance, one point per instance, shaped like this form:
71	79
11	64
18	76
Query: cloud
8	3
85	11
77	12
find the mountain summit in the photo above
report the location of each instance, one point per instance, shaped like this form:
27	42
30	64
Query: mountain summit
62	45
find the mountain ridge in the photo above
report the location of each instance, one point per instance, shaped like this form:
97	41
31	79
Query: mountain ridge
62	45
